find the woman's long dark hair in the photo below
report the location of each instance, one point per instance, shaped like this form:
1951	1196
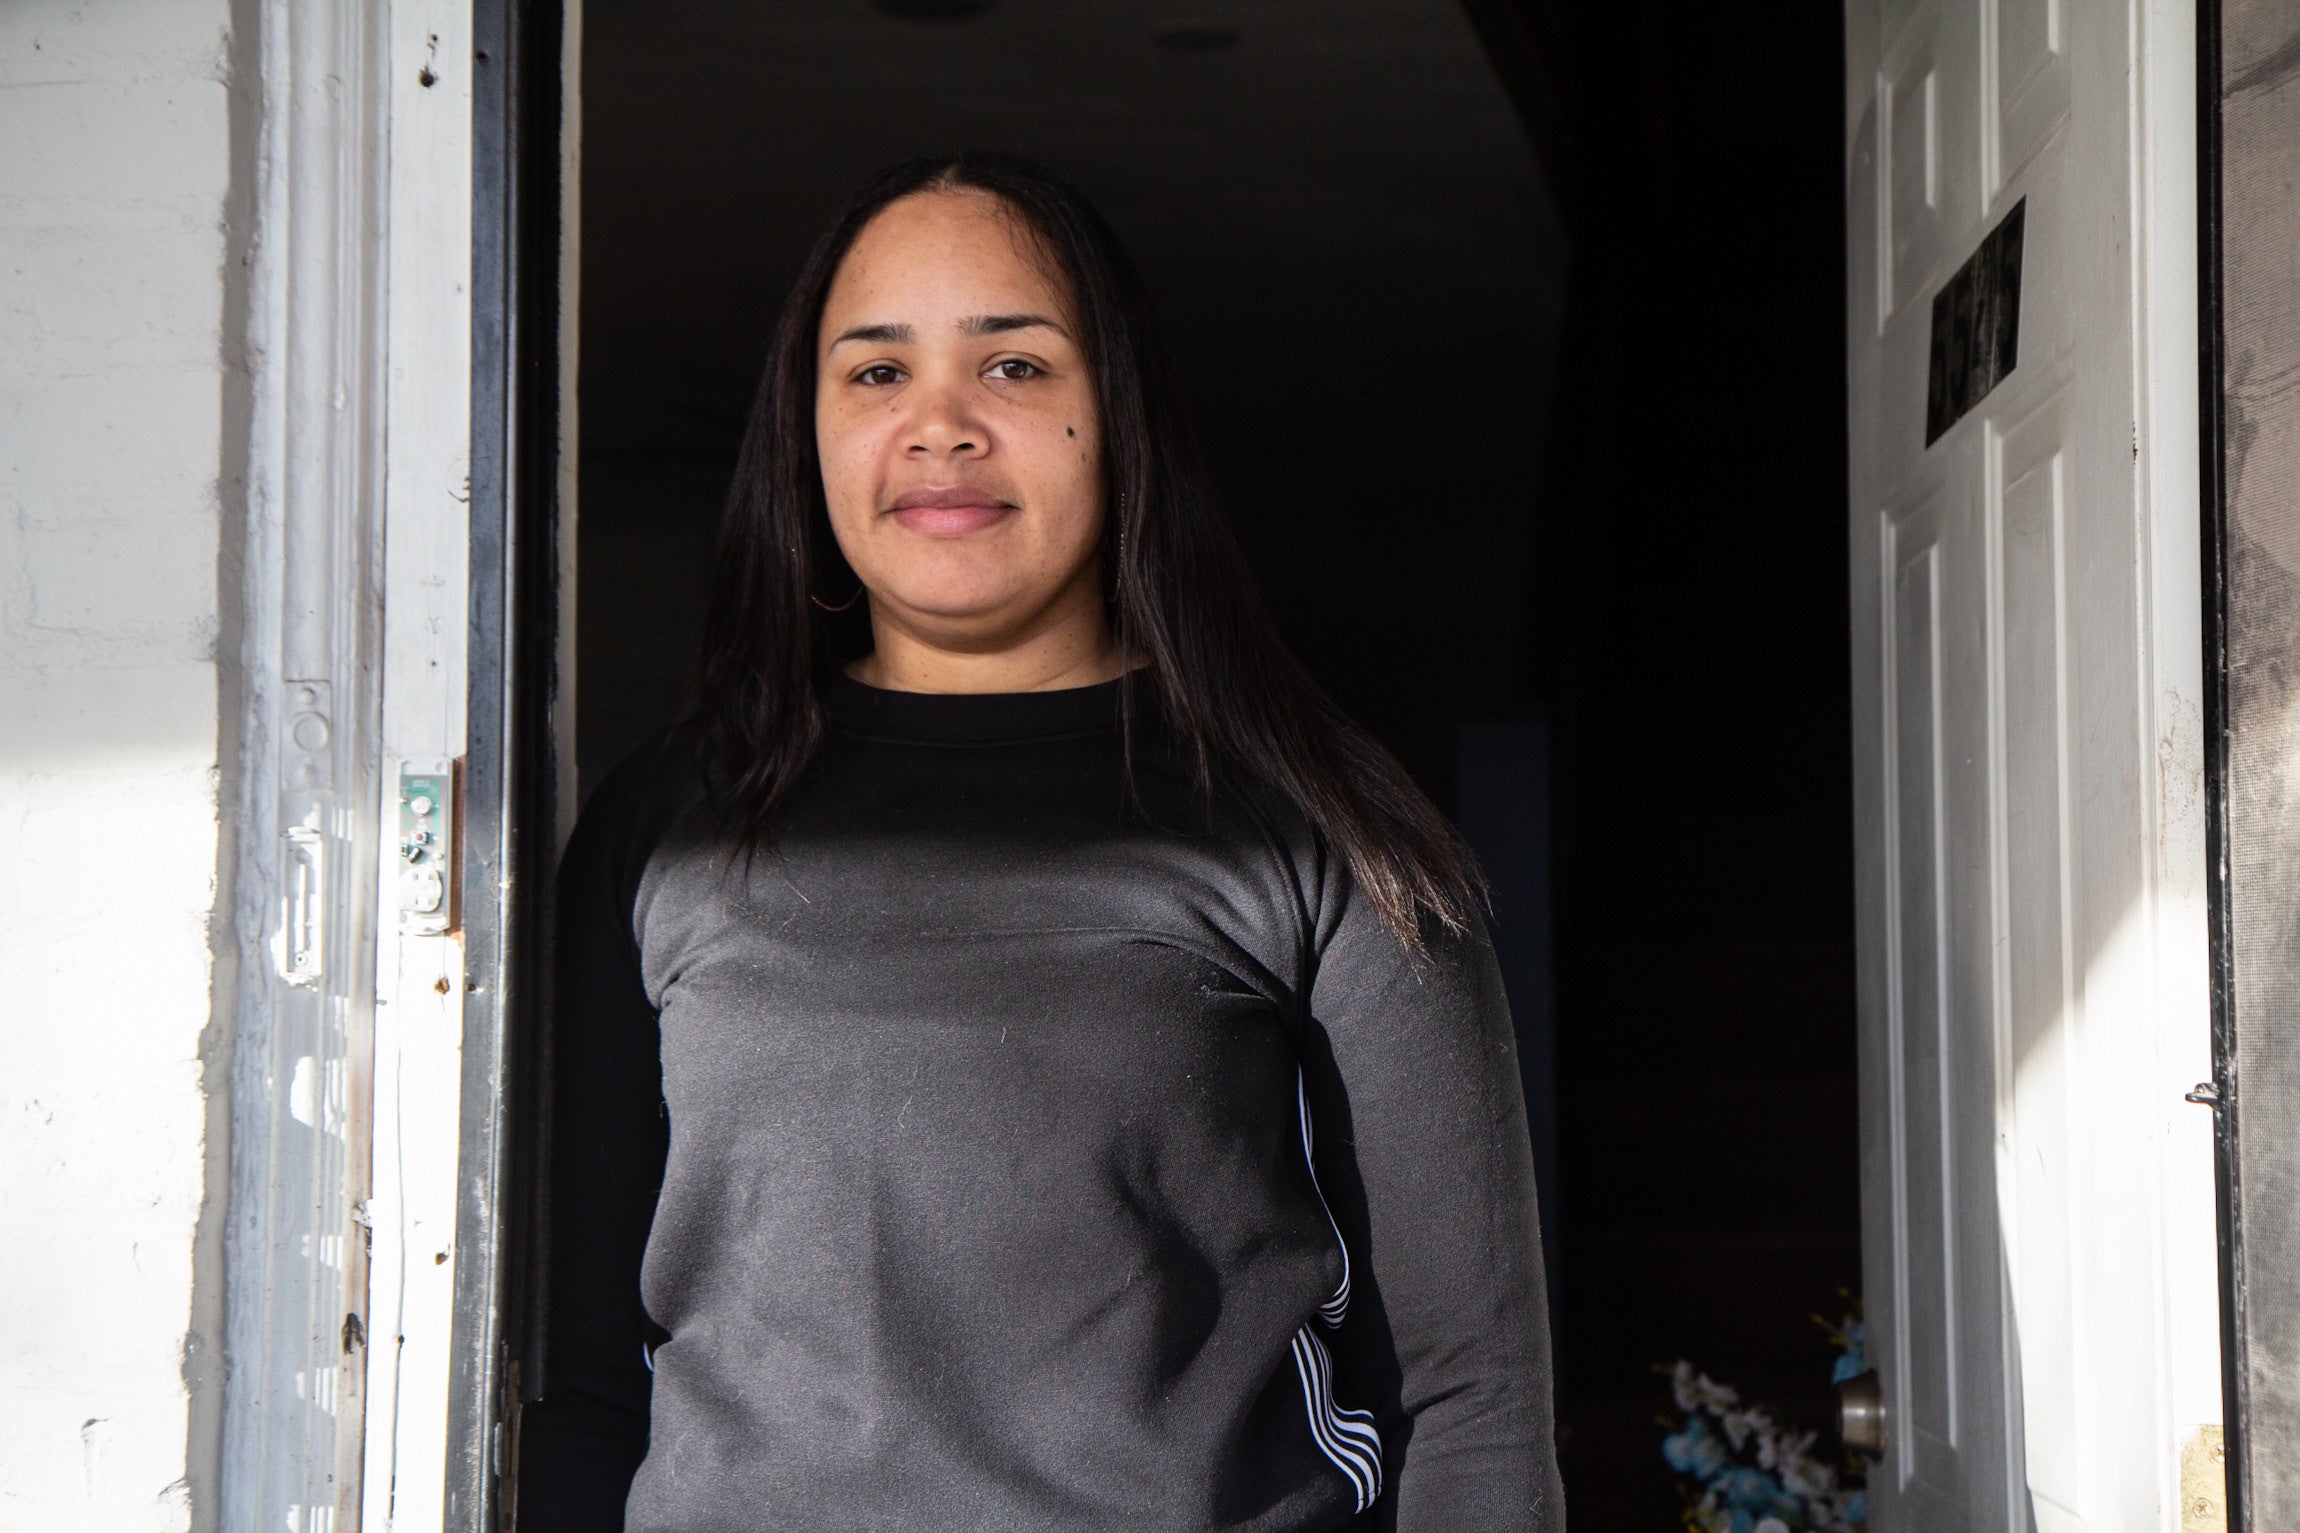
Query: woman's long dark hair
1185	601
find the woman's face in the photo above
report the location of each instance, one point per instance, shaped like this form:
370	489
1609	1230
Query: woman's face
956	421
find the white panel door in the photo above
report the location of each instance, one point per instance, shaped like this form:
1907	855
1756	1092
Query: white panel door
2030	860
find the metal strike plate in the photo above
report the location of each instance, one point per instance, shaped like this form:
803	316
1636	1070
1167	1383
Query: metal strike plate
301	947
427	860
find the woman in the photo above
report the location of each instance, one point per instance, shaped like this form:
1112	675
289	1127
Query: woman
942	1036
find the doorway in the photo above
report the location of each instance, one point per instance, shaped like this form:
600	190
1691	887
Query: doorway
1695	588
1516	342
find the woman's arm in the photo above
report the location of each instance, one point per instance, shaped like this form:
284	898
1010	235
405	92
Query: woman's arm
1421	1146
582	1442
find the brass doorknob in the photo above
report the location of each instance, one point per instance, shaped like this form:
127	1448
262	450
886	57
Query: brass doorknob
1861	1413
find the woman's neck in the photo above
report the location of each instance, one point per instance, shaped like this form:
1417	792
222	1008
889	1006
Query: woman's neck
1073	651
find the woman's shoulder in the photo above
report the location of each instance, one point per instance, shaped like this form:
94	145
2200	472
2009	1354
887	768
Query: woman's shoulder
669	763
1258	823
636	804
1338	910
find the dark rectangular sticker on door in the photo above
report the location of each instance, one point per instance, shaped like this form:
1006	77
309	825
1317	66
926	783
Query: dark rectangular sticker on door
1976	327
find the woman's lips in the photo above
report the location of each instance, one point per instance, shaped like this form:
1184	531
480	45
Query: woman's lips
949	513
949	521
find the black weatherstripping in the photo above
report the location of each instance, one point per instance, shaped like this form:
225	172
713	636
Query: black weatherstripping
510	808
2250	334
2213	526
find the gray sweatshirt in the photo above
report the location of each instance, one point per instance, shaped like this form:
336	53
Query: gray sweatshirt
1004	1150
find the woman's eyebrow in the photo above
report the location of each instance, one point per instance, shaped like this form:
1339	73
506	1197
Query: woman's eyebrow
979	324
877	335
999	324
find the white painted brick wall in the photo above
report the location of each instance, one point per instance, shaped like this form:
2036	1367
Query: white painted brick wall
115	185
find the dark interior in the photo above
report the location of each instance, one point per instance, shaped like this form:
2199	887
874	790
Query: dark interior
1516	338
1698	650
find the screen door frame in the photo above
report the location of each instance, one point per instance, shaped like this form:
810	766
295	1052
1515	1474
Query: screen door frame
520	736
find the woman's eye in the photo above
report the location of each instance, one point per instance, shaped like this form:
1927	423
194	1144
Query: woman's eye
1013	370
881	375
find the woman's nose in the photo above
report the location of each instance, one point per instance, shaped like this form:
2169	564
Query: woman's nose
945	424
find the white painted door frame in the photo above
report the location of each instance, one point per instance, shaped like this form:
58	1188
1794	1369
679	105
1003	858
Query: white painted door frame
421	978
308	84
344	1097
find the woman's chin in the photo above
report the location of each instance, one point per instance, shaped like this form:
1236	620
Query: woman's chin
965	608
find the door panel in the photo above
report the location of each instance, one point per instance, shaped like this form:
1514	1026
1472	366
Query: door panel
2037	1171
1914	219
2029	92
1943	1328
2008	773
1925	1201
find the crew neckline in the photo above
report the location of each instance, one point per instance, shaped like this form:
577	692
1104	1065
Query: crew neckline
969	718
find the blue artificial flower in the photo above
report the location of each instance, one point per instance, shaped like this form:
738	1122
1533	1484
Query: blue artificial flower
1757	1493
1694	1451
1857	1508
1854	1360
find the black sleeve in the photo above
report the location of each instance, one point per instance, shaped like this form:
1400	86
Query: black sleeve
581	1443
1412	1083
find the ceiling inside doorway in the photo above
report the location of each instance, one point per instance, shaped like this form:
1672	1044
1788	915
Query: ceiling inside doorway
1273	164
